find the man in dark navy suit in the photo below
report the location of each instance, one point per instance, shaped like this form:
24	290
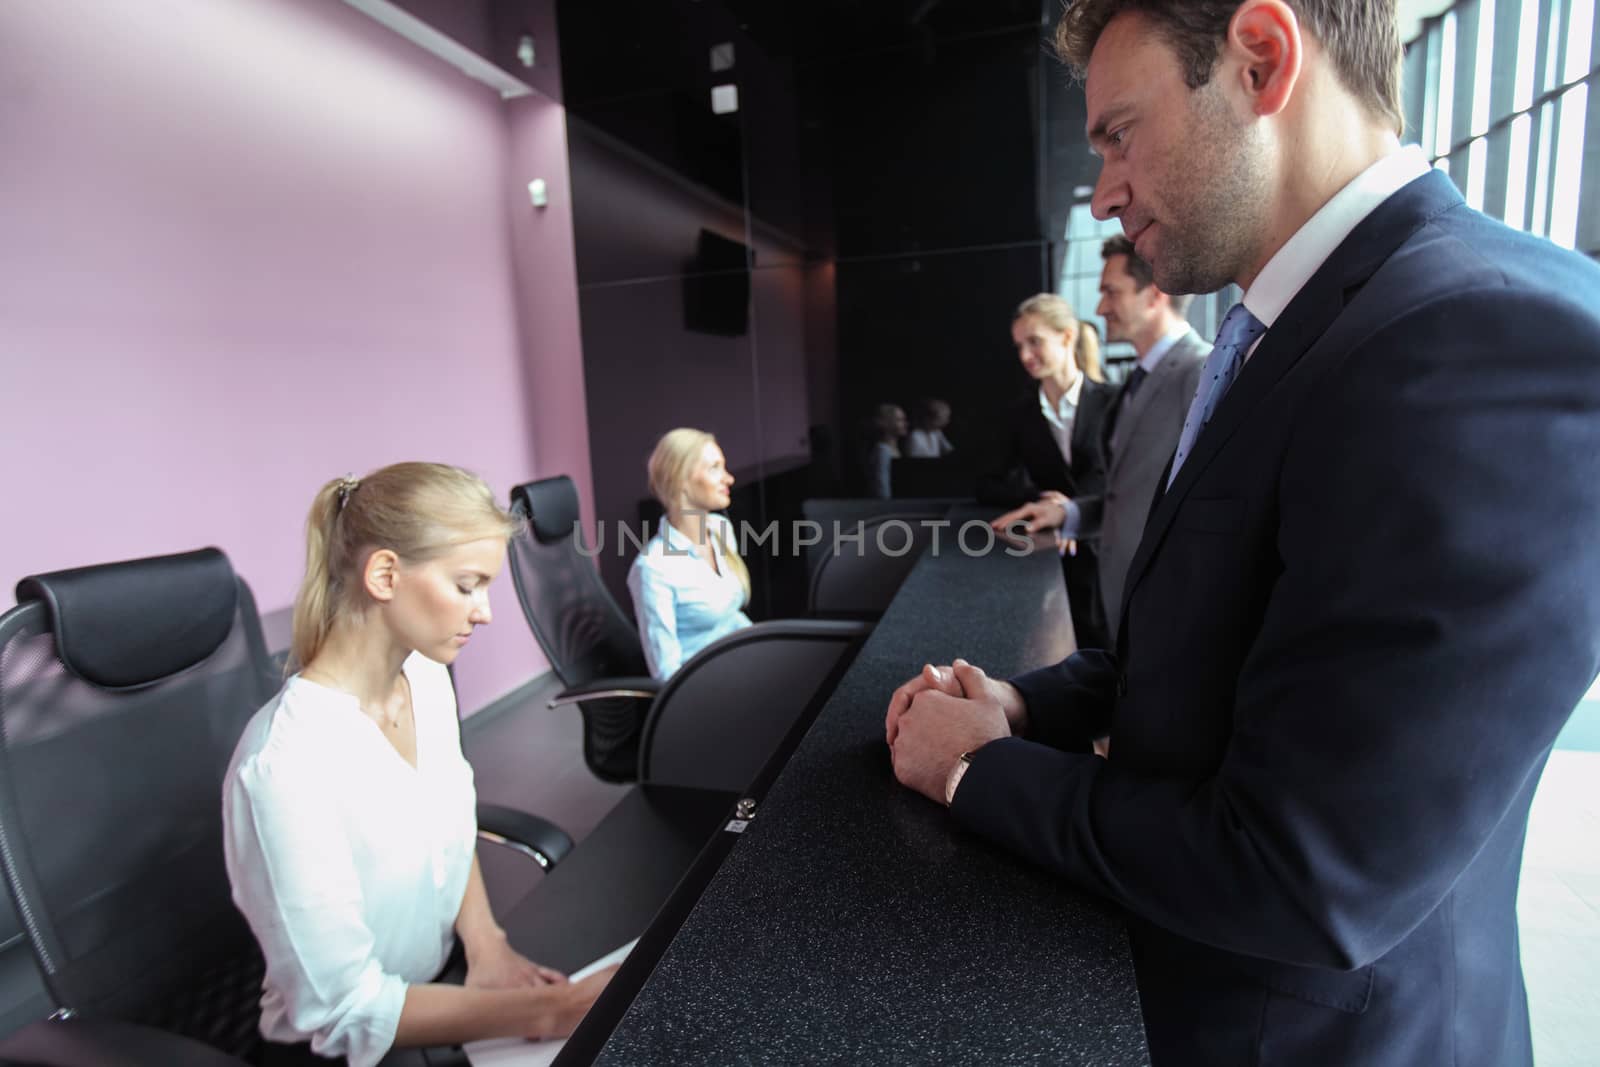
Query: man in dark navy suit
1369	596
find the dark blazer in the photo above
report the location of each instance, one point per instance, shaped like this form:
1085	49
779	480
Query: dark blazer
1033	464
1355	625
1141	435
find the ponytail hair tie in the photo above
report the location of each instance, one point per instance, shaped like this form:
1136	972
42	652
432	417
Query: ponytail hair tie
347	485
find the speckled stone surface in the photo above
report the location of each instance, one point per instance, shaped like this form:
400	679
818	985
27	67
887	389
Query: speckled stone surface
854	923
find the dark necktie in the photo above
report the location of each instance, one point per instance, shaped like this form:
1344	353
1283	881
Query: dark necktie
1135	380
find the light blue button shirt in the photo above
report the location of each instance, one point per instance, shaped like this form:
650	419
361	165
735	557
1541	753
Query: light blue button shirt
682	604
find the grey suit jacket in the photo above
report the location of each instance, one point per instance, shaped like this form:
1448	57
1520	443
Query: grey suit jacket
1143	438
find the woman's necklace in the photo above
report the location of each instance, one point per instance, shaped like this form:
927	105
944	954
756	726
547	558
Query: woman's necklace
401	701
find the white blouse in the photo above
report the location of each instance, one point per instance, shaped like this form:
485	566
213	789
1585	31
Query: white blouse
349	864
681	604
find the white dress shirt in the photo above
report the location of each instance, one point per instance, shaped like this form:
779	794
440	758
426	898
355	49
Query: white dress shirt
681	604
928	444
1061	415
349	863
1287	272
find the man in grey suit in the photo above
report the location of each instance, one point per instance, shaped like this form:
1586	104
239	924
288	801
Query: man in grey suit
1143	426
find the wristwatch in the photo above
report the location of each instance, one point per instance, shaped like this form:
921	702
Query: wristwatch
962	763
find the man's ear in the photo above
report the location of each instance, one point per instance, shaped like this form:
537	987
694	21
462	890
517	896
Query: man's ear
1263	54
381	574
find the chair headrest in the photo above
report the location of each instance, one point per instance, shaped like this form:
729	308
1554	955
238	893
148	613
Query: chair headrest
552	507
120	625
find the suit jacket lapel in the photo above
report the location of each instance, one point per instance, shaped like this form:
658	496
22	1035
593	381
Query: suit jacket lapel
1160	379
1306	319
1090	419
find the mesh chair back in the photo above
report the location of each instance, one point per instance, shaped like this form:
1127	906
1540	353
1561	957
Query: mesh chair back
111	787
859	580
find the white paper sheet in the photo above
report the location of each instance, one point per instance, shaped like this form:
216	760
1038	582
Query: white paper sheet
514	1051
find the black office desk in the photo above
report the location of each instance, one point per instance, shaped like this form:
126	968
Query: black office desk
852	922
608	890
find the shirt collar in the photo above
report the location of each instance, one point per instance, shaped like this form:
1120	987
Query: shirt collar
675	538
1149	360
1069	400
1287	272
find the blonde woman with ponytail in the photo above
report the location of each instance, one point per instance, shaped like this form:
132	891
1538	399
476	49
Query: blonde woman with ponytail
689	585
348	807
1086	353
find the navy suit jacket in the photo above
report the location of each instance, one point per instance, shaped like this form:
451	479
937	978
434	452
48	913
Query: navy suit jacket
1355	624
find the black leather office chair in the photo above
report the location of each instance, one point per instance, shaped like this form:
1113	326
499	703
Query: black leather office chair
860	578
123	690
23	997
716	721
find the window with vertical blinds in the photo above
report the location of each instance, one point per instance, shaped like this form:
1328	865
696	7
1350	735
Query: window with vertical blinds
1497	94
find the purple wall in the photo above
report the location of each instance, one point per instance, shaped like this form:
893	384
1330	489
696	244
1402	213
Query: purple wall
250	246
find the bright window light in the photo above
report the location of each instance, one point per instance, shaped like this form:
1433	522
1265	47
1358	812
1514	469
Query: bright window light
1569	166
1517	171
1447	85
1430	90
1552	53
1527	55
1540	223
1580	34
1477	171
1484	72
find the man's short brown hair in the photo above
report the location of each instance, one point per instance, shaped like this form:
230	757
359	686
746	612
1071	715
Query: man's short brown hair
1362	37
1139	269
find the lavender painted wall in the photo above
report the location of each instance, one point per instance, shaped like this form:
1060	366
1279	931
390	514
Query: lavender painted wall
245	247
545	288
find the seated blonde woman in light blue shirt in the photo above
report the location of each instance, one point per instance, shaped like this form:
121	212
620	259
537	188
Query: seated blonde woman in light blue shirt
689	586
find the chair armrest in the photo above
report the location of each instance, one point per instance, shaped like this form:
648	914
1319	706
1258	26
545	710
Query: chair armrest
779	630
79	1042
537	838
641	688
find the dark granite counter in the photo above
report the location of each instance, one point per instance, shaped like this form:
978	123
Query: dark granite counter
853	922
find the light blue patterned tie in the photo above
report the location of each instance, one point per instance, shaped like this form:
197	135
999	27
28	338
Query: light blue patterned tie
1238	333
